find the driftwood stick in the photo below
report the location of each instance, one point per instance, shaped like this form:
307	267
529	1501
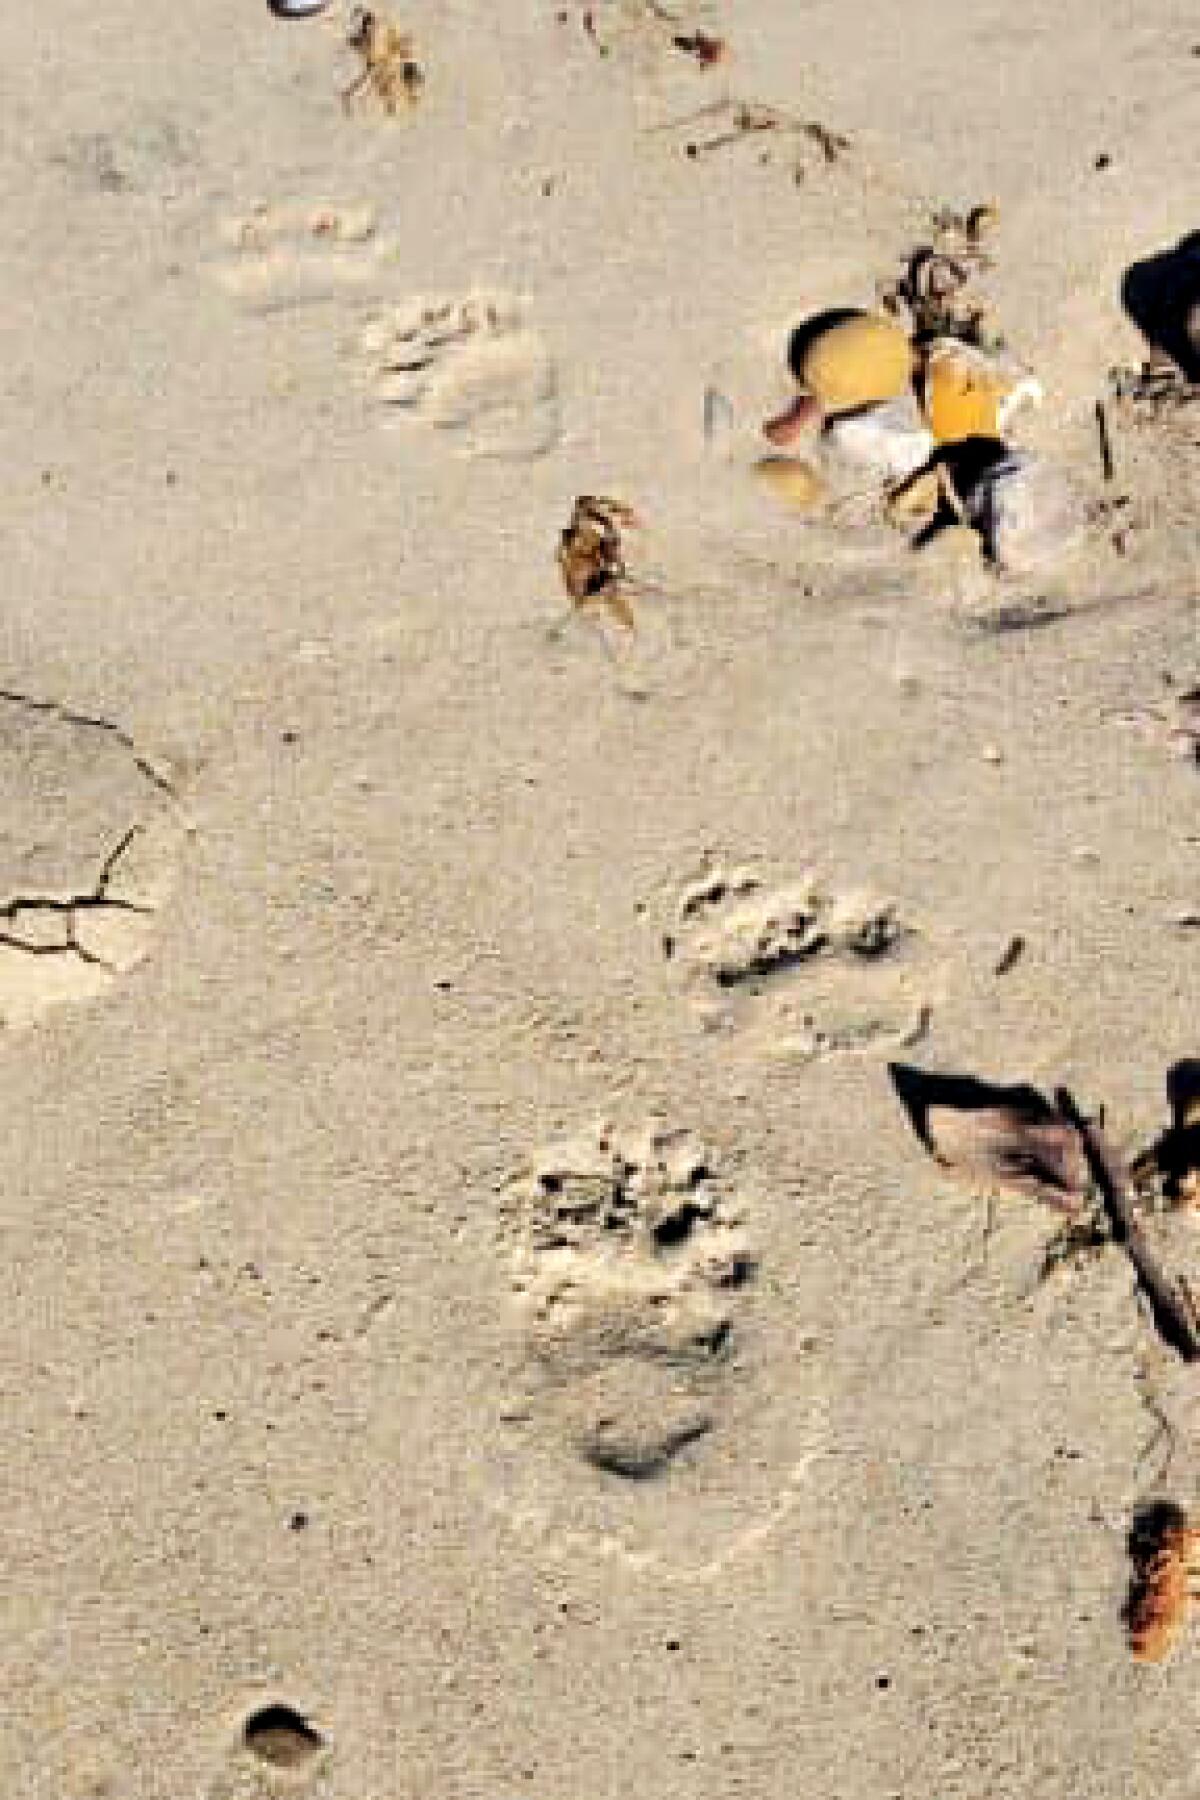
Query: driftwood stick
1170	1302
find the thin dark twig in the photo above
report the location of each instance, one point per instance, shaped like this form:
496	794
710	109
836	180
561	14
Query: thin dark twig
1106	455
1170	1303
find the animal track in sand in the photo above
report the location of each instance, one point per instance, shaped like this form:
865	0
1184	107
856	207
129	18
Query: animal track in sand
89	840
472	368
292	252
627	1257
801	973
640	1350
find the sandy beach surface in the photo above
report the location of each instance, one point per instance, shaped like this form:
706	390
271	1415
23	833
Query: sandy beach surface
468	1275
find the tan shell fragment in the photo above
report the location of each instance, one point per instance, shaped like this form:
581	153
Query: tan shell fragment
803	418
800	486
968	393
858	361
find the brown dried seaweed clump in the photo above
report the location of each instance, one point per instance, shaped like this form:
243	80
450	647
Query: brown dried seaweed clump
1164	1549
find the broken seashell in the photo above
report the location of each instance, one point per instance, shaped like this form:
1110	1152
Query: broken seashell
982	222
1027	512
296	9
800	420
916	499
857	361
797	483
890	440
967	393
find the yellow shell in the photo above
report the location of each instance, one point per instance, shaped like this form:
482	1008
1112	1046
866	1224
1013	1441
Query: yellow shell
969	394
857	362
796	483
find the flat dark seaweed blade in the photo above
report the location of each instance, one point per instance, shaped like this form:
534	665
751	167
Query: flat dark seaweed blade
1001	1147
996	1137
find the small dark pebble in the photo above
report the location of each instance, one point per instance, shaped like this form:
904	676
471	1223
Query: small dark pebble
1103	161
298	1522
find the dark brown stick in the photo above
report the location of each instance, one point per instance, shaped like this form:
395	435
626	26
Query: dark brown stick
1170	1303
1106	455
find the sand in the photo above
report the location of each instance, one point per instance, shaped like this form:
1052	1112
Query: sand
450	1287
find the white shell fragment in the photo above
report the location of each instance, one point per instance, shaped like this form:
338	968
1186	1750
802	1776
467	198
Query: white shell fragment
1027	512
892	441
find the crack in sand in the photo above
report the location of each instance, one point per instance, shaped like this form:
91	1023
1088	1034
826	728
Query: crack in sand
76	913
46	906
94	722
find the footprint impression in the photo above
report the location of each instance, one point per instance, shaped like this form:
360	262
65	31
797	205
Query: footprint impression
472	368
627	1257
89	840
297	251
802	974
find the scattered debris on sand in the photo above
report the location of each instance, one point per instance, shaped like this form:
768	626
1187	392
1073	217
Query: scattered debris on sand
920	397
390	72
591	556
650	18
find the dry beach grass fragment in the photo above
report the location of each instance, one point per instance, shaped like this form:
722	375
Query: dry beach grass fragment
648	16
735	121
